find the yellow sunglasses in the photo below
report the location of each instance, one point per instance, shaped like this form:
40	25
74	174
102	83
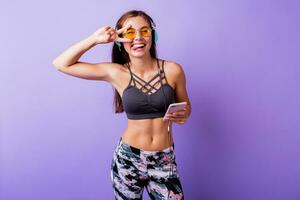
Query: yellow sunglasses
131	32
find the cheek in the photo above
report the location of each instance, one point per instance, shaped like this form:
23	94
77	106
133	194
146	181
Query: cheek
149	42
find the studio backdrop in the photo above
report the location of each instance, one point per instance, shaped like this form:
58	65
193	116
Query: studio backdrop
241	61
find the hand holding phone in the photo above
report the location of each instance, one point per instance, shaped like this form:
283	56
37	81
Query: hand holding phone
174	107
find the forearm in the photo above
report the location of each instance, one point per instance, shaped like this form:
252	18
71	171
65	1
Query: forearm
73	53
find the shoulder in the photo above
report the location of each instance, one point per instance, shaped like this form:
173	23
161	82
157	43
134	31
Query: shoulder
114	71
114	68
173	69
174	73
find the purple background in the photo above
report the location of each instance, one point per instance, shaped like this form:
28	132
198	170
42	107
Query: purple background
241	59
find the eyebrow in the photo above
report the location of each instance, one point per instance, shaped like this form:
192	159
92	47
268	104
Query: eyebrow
141	27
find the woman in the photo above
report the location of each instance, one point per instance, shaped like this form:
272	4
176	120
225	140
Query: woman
144	87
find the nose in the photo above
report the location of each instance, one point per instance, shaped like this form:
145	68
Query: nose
138	35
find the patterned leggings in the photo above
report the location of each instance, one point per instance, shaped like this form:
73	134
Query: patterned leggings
133	169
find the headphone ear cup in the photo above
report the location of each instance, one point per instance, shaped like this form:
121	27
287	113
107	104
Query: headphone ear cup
118	44
155	35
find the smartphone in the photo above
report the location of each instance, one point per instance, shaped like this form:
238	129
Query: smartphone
174	107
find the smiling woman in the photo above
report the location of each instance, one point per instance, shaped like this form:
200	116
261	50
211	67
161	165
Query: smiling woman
144	87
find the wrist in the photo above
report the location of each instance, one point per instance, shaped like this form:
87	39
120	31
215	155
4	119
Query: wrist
91	40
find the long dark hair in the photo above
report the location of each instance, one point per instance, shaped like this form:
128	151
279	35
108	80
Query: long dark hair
119	54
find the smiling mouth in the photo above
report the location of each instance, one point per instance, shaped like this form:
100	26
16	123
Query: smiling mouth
138	46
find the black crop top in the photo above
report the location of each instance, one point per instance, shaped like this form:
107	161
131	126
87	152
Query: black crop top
146	100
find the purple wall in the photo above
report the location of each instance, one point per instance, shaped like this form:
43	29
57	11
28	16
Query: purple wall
241	60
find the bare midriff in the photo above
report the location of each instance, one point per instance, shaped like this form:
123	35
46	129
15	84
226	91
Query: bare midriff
148	134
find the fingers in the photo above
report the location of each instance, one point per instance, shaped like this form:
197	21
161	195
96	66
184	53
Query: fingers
175	118
113	34
107	27
110	31
121	30
118	39
178	114
179	121
179	117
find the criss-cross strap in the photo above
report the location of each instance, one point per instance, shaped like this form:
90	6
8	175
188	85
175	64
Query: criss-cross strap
163	71
148	87
162	75
131	74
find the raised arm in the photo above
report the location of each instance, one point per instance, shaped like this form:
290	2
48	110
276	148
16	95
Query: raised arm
68	61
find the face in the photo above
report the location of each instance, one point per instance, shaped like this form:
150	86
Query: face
140	33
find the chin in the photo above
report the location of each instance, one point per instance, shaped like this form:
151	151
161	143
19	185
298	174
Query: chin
138	54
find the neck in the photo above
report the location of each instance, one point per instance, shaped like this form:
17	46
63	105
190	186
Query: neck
143	64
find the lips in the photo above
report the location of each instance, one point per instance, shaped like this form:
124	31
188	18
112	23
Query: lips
137	46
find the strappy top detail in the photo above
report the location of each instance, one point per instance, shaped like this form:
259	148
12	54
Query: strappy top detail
147	99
